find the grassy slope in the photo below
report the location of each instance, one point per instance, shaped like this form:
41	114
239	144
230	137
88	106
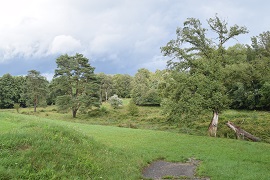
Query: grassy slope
118	153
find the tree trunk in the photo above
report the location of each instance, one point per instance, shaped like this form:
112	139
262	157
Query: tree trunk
241	133
35	104
106	93
212	129
74	112
100	95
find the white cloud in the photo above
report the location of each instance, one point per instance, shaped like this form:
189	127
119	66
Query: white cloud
157	62
64	44
49	76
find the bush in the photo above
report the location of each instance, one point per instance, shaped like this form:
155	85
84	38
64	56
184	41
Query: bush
103	110
17	107
133	110
115	101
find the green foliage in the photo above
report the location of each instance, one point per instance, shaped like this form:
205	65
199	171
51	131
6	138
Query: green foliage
106	86
78	84
145	88
35	89
115	101
7	92
132	108
195	81
103	109
265	95
122	85
11	89
17	107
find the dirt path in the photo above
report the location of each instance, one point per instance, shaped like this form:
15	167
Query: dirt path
162	169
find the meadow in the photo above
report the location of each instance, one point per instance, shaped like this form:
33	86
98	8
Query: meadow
110	144
151	117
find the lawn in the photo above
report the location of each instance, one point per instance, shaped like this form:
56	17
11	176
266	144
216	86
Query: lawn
46	148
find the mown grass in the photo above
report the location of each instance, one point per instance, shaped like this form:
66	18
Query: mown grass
40	148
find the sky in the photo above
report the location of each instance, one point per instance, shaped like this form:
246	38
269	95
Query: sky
117	36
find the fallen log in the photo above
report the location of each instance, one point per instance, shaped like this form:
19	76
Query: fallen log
241	133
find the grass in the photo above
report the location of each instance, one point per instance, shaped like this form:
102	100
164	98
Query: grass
43	148
254	122
38	149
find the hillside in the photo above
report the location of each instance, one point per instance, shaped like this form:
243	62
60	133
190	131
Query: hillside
39	148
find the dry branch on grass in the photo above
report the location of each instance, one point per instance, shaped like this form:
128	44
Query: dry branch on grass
241	133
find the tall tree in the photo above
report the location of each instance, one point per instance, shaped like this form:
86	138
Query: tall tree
261	44
196	80
78	81
7	91
36	89
145	88
122	85
106	86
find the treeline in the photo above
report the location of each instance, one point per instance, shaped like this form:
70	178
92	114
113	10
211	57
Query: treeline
76	87
143	87
202	75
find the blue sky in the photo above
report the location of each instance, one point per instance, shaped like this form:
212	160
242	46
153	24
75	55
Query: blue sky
117	36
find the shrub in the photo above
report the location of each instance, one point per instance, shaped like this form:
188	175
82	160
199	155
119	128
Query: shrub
17	107
115	101
133	109
103	110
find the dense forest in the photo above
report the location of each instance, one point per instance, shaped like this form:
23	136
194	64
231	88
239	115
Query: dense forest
204	75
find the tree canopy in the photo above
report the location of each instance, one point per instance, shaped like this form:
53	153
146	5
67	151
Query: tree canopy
35	89
78	82
196	79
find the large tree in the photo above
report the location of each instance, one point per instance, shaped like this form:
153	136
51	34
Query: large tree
106	86
7	91
145	88
35	89
122	85
196	81
248	85
77	79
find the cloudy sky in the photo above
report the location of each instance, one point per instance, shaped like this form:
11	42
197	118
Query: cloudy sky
117	36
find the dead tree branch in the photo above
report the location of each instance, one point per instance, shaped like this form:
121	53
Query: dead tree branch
241	133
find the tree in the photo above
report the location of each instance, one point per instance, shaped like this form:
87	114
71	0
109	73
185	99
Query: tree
248	72
7	91
11	88
196	81
261	44
36	89
122	85
54	91
115	101
145	88
106	86
77	79
132	108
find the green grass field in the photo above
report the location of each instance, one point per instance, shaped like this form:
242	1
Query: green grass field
254	122
36	147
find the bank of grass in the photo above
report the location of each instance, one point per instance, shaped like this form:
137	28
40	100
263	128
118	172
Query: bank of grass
37	149
40	148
